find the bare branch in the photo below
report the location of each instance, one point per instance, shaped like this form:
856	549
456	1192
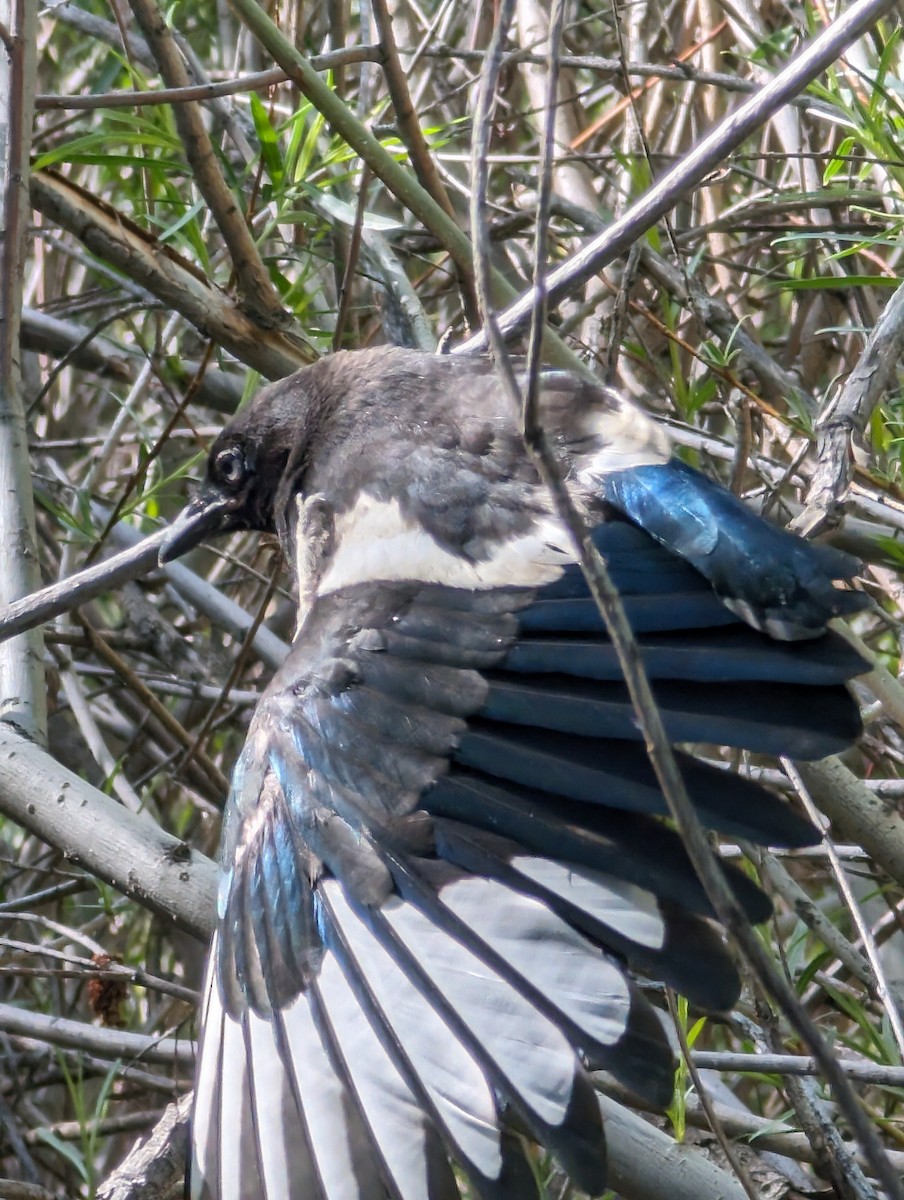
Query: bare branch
155	1168
258	296
92	831
847	417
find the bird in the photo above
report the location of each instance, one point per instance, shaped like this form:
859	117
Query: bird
446	872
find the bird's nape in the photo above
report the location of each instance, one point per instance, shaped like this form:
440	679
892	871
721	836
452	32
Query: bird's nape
446	868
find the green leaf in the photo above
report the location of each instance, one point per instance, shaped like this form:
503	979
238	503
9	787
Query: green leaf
837	163
839	283
66	1150
269	141
348	214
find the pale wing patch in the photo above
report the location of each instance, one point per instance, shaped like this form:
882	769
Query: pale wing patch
374	541
626	437
625	907
576	977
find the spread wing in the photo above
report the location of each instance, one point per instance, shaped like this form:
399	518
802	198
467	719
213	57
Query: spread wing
443	854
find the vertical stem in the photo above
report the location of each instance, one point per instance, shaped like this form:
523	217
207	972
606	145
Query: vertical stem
22	697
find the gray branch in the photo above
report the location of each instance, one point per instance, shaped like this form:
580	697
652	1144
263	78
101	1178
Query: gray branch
128	851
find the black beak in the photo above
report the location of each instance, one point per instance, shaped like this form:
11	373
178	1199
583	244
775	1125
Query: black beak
208	513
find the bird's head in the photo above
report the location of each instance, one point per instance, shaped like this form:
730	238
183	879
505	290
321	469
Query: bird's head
346	423
260	455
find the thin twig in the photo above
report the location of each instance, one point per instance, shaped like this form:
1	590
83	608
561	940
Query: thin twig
795	1064
253	82
885	994
258	296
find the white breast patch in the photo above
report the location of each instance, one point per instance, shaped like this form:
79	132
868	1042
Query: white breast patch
375	541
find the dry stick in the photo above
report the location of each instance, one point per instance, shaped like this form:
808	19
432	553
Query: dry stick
155	1167
74	1131
95	833
94	1065
78	967
858	814
17	1189
138	476
255	287
847	417
715	313
209	601
767	1133
774	873
67	594
607	117
656	740
687	75
842	882
706	156
137	559
406	118
238	665
109	1043
154	707
78	344
795	1064
411	134
833	1158
646	1163
353	251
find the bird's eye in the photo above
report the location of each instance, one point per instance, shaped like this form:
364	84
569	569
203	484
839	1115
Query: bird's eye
229	468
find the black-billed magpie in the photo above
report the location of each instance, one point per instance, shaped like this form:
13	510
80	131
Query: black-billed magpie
443	858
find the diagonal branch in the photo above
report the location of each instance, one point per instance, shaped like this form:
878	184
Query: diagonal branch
258	296
848	416
173	280
93	831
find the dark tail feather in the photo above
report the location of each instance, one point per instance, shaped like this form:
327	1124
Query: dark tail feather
773	580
